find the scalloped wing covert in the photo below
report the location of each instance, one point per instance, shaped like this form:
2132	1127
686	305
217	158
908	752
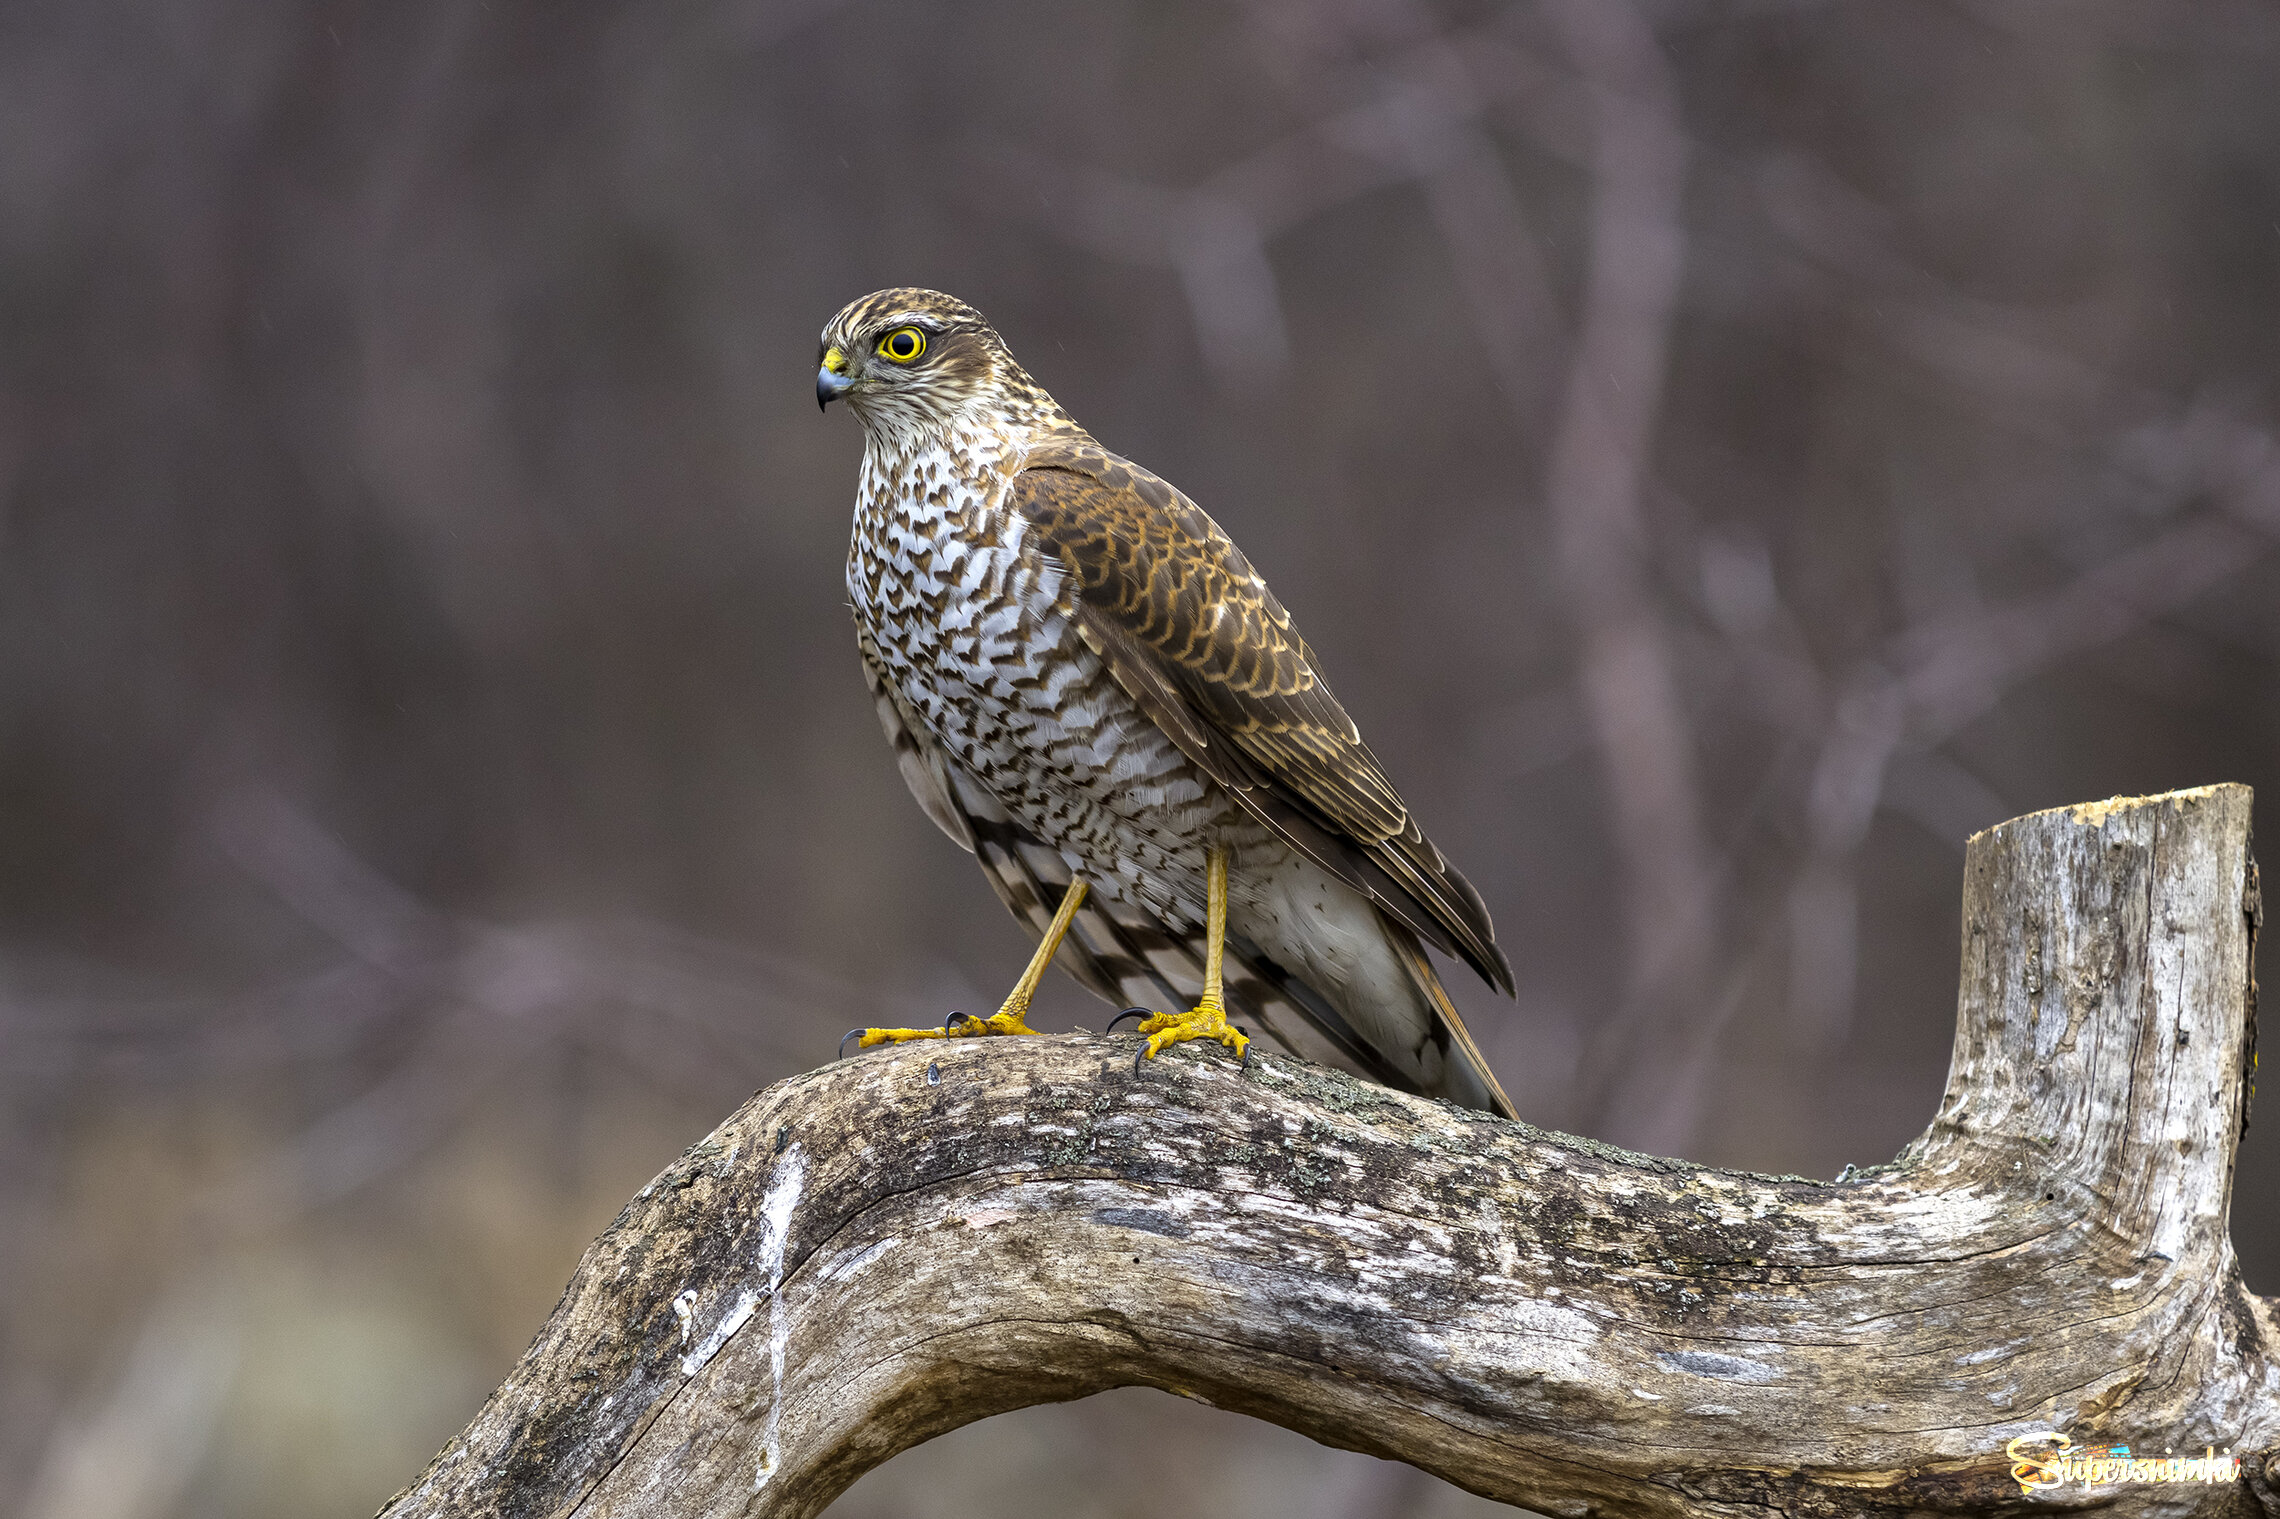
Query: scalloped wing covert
1192	632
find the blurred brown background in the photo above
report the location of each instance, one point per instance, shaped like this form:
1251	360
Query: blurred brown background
1725	451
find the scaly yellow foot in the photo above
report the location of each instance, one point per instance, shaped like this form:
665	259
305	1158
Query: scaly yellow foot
1006	1020
1009	1019
1206	1020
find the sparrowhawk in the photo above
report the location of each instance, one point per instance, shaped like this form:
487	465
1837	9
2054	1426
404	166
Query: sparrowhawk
1089	687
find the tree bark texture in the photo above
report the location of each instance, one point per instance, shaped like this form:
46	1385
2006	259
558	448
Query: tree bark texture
877	1252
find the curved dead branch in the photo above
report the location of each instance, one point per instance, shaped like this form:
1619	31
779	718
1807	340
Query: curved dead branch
871	1254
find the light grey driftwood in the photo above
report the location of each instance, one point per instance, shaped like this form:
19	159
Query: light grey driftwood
882	1250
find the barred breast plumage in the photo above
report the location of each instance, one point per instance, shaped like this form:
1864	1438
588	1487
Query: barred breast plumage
1084	678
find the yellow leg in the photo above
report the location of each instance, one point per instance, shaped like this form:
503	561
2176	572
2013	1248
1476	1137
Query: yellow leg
1008	1019
1208	1018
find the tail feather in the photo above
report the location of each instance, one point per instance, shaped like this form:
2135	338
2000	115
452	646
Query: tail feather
1466	1053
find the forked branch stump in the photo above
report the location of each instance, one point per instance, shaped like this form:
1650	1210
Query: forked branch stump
877	1252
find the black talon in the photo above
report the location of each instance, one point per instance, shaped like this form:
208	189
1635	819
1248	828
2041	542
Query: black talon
1245	1063
953	1018
850	1034
1130	1012
1136	1059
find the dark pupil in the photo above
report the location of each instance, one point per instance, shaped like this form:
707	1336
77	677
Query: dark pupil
902	345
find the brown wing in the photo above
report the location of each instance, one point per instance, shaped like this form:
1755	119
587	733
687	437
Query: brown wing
1193	633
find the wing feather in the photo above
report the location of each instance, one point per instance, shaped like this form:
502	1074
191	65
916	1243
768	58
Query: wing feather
1192	633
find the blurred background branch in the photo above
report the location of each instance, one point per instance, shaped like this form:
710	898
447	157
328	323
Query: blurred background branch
1726	452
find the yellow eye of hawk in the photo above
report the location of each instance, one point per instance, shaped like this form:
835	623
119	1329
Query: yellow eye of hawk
903	345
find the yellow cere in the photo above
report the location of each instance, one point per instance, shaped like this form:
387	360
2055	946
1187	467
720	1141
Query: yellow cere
835	361
903	344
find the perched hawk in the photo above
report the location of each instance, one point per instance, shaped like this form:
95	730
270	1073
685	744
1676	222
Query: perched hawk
1089	687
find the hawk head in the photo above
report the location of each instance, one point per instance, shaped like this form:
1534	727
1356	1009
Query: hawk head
914	360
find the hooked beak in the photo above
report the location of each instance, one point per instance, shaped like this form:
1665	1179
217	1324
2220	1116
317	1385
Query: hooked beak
832	380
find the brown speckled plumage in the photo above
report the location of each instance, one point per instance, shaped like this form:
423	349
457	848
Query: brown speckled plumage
1082	675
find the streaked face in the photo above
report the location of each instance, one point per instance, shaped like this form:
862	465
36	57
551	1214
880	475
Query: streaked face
906	358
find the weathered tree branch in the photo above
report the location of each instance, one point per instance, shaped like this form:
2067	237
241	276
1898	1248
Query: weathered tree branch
872	1254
